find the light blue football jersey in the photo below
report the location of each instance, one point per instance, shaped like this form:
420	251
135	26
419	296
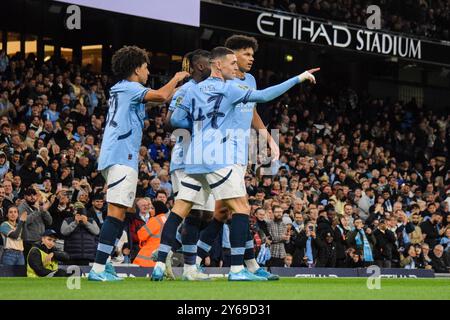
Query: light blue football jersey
123	129
179	149
211	105
243	120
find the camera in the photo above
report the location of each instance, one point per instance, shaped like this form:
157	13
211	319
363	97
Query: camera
311	228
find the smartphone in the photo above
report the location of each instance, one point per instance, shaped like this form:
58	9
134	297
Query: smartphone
311	228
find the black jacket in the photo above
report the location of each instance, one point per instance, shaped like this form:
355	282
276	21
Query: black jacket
440	265
300	249
58	216
431	231
92	215
35	261
323	226
29	176
385	245
326	255
4	209
341	243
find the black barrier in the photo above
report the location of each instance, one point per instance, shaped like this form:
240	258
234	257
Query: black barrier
340	35
129	271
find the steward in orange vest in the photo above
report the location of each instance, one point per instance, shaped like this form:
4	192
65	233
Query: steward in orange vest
149	236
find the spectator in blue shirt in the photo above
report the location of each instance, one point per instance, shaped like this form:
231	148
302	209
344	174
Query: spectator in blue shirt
91	100
51	113
158	151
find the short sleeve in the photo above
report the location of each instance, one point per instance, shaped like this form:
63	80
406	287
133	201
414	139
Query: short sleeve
176	100
237	93
185	103
137	92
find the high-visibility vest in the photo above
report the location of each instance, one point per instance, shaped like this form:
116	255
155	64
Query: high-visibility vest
149	238
52	265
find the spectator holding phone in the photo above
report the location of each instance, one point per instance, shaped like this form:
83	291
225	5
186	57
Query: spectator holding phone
12	230
81	236
60	210
306	247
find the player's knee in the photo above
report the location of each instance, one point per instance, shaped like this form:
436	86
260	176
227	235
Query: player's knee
117	211
182	207
239	206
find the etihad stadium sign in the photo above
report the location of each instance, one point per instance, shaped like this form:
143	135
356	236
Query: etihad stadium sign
311	31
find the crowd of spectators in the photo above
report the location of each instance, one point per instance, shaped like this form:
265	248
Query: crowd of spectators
359	181
428	18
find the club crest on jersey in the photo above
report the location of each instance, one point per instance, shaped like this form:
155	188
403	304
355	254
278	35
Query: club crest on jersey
178	101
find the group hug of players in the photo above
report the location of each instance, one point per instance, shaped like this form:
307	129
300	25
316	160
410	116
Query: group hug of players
211	115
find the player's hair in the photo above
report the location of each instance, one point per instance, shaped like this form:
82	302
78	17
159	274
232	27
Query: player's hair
239	41
196	55
220	52
192	57
127	59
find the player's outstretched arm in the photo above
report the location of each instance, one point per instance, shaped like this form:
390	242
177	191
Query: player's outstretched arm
165	93
273	92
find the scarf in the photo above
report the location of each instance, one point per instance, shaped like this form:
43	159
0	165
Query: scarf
406	238
342	231
361	240
308	252
263	255
297	227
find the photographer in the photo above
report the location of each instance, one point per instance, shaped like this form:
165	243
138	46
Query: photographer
363	241
81	236
38	218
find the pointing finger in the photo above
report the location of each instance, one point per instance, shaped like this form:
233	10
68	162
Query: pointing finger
313	70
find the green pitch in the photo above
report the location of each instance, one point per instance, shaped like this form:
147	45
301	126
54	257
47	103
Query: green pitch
220	289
